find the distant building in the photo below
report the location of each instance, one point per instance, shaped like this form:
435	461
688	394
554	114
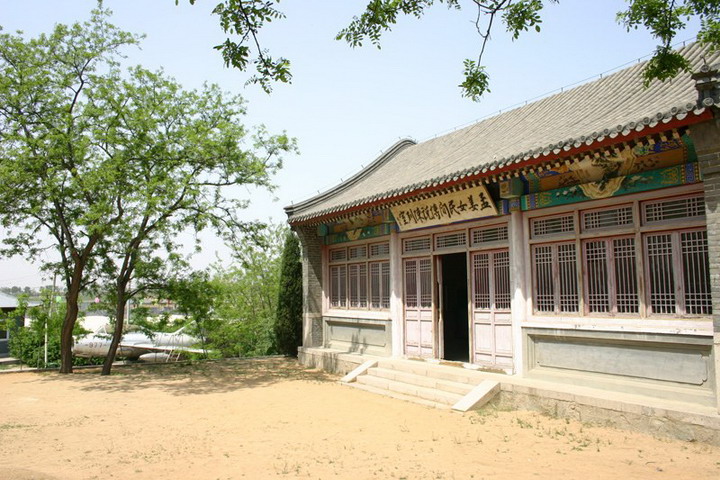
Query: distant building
8	304
574	239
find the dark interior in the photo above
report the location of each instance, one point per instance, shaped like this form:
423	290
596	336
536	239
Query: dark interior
455	307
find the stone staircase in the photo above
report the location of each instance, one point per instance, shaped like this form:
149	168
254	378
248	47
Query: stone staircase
421	382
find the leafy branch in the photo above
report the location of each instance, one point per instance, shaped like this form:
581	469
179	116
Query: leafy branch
664	19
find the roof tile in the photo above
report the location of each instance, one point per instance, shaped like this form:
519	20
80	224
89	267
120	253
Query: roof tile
586	114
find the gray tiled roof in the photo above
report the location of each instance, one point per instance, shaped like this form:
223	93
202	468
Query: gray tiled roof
583	115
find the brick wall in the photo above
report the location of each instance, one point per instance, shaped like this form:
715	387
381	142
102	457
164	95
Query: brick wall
706	137
311	245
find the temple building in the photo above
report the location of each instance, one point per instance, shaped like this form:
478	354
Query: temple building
574	240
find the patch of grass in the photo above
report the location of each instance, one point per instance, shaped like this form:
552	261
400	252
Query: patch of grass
523	423
13	426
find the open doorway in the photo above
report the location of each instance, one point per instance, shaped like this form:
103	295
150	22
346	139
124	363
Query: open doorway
454	291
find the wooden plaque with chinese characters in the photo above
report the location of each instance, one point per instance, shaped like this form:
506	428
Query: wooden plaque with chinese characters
450	207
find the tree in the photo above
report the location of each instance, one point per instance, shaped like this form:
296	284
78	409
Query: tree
288	323
182	150
249	296
112	166
244	19
233	309
54	175
149	273
195	296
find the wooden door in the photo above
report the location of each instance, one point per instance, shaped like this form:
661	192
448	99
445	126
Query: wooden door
419	331
491	316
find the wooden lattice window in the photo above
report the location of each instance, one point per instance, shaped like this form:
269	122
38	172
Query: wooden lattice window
696	272
491	285
338	254
338	291
555	278
541	227
678	273
357	278
357	252
501	265
683	208
610	276
481	274
357	283
643	258
450	240
607	218
378	250
418	283
411	283
481	236
425	283
380	285
417	244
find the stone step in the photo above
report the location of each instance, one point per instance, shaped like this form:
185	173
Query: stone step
432	394
397	395
421	381
479	396
424	369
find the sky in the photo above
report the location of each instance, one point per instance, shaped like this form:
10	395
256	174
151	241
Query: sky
346	106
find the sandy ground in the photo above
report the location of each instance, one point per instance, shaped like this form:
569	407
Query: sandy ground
271	418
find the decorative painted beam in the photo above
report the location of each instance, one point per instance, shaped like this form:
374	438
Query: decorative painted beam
634	183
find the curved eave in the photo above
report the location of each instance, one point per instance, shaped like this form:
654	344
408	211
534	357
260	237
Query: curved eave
385	157
675	117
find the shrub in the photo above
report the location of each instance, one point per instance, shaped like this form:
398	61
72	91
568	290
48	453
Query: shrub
27	344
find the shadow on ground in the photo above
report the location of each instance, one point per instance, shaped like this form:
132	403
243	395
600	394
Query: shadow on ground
192	378
22	474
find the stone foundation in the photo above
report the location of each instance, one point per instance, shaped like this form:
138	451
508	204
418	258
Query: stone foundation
655	421
330	360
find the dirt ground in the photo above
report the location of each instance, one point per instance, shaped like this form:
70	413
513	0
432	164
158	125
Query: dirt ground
271	418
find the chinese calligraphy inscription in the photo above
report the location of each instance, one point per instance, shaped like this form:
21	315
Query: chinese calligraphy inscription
451	207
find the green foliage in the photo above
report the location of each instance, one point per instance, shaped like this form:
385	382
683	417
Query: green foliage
521	16
233	310
195	296
664	65
244	18
380	15
663	18
184	149
141	318
476	80
52	160
57	180
288	323
112	163
27	344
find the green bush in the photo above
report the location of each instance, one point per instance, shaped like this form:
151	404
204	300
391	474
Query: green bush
27	344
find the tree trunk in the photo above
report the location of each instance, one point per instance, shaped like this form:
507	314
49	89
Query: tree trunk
118	332
71	313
